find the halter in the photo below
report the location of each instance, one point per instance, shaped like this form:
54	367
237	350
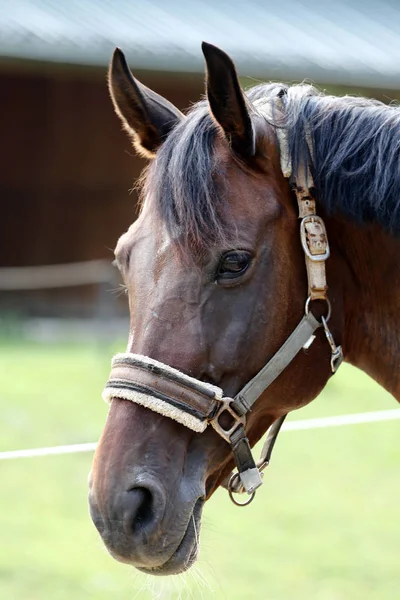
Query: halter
196	404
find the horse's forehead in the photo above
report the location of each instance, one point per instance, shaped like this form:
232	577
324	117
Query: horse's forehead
232	174
241	190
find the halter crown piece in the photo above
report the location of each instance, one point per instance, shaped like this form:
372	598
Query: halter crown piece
196	404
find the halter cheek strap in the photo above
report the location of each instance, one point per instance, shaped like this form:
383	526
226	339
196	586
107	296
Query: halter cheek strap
196	404
313	234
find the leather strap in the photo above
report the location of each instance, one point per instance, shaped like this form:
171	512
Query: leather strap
315	244
316	251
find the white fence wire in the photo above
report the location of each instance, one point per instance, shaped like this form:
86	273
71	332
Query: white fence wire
319	423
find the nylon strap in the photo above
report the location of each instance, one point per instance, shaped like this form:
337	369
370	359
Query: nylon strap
241	450
249	472
242	483
278	363
269	443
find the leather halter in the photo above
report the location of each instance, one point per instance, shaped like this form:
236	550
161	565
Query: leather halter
196	404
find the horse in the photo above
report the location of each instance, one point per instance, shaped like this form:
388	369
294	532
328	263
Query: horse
232	323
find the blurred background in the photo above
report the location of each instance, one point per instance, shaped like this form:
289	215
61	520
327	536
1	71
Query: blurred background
325	526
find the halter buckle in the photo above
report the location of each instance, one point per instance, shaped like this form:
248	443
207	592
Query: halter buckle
237	419
314	238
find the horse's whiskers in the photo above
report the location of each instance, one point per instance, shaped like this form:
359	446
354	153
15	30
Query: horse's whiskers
118	291
145	585
184	579
196	534
200	580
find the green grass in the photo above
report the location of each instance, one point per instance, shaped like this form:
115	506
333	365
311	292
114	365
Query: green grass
325	525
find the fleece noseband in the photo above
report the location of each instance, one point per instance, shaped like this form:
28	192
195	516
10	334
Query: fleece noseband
196	404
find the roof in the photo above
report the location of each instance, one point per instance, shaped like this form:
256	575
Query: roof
354	42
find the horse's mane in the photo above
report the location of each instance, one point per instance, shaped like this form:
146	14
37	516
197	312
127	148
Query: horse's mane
356	153
355	163
181	181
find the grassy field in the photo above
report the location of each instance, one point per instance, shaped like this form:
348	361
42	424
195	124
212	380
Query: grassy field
325	525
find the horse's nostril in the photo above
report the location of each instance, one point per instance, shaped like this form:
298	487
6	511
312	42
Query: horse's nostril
142	513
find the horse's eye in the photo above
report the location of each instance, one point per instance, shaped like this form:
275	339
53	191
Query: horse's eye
233	264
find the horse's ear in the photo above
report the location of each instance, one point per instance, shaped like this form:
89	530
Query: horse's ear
146	116
227	102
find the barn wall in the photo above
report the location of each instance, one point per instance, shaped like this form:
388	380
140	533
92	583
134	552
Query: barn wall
66	166
65	175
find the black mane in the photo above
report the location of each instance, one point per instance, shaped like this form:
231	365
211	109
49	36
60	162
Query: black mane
181	181
356	158
356	161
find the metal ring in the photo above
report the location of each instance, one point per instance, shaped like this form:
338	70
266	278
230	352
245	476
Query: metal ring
231	492
307	308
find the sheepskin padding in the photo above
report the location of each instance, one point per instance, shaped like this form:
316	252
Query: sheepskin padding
156	405
112	390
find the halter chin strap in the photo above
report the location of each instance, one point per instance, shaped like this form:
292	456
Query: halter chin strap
196	404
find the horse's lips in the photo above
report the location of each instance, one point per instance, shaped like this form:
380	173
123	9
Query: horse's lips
187	551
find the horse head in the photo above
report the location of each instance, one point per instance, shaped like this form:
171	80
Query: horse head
214	268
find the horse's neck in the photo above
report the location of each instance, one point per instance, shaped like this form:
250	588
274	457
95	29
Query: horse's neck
367	271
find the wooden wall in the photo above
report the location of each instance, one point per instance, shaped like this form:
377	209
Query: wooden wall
66	170
66	166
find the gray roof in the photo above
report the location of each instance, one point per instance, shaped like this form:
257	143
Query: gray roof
354	42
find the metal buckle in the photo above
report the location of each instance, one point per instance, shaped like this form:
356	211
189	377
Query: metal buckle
238	420
303	237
